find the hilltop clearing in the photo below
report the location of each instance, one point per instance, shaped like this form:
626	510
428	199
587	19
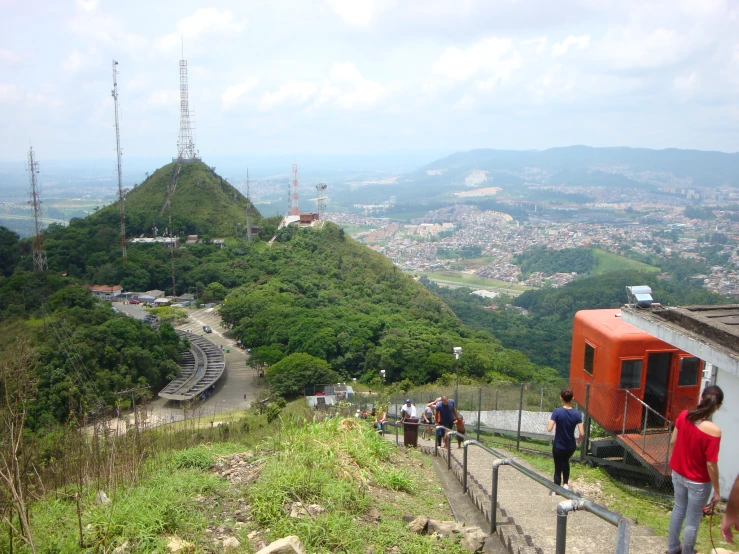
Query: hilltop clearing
203	203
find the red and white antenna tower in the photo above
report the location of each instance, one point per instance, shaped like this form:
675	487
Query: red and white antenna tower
39	254
294	209
118	154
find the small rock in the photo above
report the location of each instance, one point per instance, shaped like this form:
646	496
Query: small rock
474	539
443	528
370	550
230	542
122	549
177	545
102	498
222	530
418	525
89	527
252	535
286	545
373	514
392	550
315	509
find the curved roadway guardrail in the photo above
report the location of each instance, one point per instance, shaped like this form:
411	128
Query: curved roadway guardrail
202	366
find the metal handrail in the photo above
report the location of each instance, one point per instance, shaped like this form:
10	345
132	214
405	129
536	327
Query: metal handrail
573	502
646	418
647	406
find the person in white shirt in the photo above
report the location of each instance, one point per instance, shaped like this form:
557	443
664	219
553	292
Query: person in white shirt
408	410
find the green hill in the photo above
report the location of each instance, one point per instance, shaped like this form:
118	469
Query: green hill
203	203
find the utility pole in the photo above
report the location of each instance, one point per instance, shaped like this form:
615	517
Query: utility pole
118	156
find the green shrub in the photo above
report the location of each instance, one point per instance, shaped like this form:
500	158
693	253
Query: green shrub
197	457
273	412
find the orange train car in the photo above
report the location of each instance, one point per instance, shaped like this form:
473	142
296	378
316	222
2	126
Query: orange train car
613	356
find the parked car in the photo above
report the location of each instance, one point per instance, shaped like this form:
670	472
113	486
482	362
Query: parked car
135	302
207	329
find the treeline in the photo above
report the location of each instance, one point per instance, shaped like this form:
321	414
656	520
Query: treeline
325	295
545	335
311	292
85	352
545	260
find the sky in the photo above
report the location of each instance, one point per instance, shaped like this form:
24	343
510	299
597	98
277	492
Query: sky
296	78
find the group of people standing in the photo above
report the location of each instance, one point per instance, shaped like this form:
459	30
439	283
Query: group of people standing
694	448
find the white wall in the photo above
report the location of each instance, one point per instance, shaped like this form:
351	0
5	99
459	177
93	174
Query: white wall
728	419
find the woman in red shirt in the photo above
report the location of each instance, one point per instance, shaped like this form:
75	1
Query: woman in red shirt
694	462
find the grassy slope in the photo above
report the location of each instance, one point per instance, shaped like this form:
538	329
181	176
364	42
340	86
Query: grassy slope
466	280
607	262
343	465
201	195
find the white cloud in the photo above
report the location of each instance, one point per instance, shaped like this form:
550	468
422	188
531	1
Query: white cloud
10	94
355	12
12	57
160	98
234	94
560	49
686	83
88	5
346	89
625	48
295	93
75	61
205	21
553	83
467	102
540	43
490	57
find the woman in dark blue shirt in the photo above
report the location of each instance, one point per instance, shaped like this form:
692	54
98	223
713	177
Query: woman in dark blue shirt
564	445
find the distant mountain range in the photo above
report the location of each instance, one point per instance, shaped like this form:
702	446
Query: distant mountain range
582	166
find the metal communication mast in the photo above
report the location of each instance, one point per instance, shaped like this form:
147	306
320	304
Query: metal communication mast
118	156
185	141
294	210
39	254
248	209
321	201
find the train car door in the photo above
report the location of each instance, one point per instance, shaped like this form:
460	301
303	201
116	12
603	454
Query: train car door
685	385
657	387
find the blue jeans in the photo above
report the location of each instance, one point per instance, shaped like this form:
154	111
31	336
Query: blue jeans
690	497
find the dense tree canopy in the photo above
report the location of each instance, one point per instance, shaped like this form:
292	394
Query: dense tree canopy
545	260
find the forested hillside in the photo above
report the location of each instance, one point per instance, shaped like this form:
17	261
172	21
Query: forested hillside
545	335
313	292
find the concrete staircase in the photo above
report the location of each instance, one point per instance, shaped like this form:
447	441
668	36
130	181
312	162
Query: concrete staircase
527	516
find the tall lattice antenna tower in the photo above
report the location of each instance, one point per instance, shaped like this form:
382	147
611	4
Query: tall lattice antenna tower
185	140
118	154
321	201
249	237
294	209
39	254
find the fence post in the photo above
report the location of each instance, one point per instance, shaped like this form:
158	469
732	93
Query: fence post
520	412
397	442
448	452
586	439
479	410
541	401
464	467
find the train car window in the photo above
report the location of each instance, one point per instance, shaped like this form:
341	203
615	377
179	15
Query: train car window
631	374
589	358
689	372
